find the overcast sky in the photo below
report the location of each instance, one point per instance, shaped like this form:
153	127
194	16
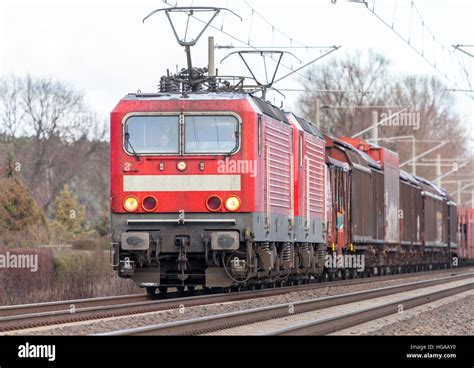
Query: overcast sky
103	48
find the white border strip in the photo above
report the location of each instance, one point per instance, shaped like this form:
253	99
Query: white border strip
181	183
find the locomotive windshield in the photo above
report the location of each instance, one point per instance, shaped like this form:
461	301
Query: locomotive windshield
153	134
202	134
211	134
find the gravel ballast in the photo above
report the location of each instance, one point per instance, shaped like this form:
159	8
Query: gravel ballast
449	316
110	324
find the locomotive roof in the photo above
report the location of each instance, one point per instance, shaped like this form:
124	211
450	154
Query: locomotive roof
270	110
265	107
309	127
189	96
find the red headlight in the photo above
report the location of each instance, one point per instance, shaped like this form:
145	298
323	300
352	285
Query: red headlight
149	203
214	203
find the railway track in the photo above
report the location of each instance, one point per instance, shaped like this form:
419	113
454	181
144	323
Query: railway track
19	317
227	323
12	310
345	320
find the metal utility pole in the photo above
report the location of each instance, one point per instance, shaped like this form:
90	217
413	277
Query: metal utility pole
458	199
318	112
455	169
375	130
370	128
438	170
211	57
414	159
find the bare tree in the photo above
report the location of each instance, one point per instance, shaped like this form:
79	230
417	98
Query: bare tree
352	73
49	131
438	120
53	114
11	113
426	98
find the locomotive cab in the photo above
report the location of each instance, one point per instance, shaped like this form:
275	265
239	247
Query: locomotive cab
177	186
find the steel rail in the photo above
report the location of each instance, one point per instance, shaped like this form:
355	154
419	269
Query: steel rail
333	324
17	317
234	319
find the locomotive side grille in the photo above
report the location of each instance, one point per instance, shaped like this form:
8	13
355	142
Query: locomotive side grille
315	188
279	167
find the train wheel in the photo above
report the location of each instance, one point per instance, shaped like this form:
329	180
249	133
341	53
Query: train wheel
163	289
180	288
191	288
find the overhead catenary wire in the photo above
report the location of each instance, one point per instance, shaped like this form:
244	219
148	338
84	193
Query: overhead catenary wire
434	57
274	28
460	48
223	17
291	41
270	47
326	91
333	48
250	28
230	35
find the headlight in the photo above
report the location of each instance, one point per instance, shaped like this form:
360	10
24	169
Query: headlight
181	166
130	204
232	203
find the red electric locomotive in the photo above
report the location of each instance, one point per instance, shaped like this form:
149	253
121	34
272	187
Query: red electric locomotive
204	190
